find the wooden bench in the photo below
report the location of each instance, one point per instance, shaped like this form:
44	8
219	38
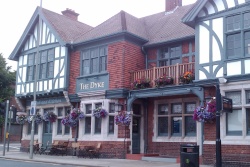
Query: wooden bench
84	151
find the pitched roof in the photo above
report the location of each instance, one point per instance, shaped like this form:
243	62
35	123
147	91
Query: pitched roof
165	27
121	22
63	28
154	29
67	29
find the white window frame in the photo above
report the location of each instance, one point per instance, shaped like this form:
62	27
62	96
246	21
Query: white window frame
230	139
171	138
104	135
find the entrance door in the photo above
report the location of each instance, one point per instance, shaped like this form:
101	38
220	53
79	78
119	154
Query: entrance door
47	132
136	135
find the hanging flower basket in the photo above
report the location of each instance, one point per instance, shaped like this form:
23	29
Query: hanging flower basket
38	119
141	83
100	112
206	114
72	118
163	81
187	77
50	116
21	119
123	118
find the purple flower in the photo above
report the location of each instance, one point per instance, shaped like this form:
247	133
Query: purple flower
100	112
73	118
123	118
205	114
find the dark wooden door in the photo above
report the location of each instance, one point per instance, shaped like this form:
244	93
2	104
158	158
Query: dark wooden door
136	135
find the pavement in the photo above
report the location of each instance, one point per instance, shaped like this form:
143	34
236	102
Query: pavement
15	154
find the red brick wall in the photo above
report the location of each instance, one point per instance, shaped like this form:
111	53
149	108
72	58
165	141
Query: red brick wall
123	57
74	71
230	154
152	55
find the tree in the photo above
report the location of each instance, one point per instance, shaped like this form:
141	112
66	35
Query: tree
7	80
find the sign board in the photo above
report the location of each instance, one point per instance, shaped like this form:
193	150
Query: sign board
227	105
33	108
21	113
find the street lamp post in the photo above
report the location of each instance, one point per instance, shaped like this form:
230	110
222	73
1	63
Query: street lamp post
218	140
10	117
35	84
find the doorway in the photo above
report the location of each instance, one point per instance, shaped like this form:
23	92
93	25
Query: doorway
47	132
136	135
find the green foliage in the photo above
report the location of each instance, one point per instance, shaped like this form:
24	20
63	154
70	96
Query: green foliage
1	120
7	80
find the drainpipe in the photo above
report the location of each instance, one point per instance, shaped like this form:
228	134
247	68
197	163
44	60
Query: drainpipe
145	106
146	56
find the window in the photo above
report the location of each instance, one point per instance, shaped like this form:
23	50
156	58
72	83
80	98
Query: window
237	33
93	126
248	120
247	97
61	113
88	114
111	124
170	56
31	67
35	129
234	119
87	125
234	122
233	23
233	45
172	116
94	60
47	64
98	121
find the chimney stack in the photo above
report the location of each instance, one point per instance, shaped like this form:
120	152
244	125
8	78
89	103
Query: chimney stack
70	14
172	4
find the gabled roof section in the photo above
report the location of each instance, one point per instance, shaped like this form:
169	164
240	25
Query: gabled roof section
67	29
205	8
166	27
64	28
189	18
121	22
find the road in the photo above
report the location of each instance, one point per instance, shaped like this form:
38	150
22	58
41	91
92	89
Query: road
16	163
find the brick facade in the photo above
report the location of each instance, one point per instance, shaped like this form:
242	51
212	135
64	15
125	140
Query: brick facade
123	57
74	71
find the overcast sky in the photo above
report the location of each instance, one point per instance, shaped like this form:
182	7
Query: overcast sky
15	15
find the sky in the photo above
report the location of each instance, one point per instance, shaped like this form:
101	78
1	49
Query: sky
15	15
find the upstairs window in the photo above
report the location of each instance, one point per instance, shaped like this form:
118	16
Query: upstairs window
31	69
94	60
238	33
47	64
170	56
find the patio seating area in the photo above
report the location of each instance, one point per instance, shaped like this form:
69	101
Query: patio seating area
80	149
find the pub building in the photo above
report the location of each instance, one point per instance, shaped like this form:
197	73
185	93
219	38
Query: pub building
157	69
